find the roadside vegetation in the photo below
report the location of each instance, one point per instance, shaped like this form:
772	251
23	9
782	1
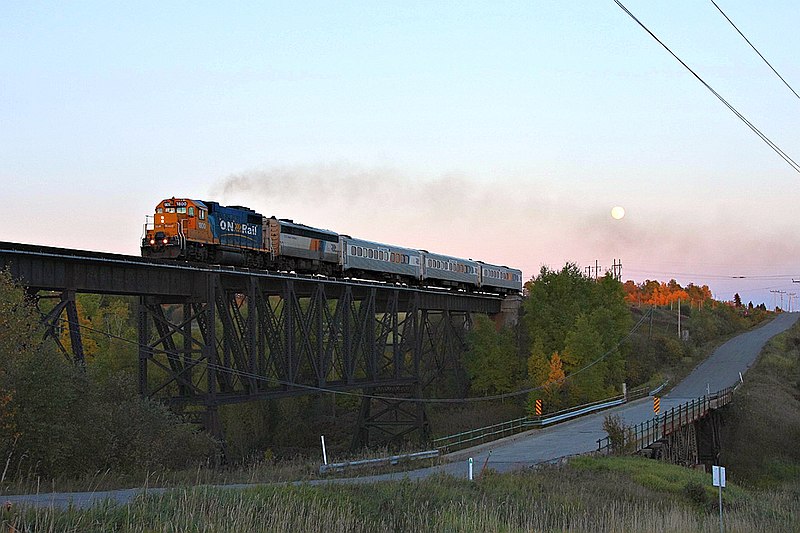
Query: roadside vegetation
762	424
587	495
62	428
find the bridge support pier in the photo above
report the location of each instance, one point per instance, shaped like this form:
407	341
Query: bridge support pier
709	443
54	325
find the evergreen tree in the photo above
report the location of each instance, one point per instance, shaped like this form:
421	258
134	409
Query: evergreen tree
492	362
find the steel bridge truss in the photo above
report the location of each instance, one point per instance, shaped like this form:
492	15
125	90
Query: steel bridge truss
251	338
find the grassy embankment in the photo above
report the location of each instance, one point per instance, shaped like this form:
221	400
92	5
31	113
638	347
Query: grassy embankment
761	434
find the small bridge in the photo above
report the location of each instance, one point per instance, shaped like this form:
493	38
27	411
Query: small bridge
687	434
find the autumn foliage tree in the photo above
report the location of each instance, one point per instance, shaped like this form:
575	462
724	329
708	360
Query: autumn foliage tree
658	293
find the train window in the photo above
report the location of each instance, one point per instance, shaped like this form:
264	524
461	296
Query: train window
369	253
202	214
405	258
352	250
160	210
182	210
170	210
191	211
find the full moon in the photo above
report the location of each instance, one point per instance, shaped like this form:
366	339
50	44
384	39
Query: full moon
617	213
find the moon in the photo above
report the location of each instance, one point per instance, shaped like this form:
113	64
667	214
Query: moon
617	213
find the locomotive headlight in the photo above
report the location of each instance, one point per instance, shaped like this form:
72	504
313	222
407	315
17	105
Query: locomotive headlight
165	241
152	241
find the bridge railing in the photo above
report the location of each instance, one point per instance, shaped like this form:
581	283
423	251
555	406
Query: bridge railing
644	434
474	437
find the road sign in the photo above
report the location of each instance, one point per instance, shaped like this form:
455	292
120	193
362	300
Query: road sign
656	404
718	479
718	474
539	407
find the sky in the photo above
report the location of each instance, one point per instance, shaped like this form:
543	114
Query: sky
498	131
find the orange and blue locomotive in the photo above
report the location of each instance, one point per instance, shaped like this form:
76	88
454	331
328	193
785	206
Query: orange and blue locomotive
207	232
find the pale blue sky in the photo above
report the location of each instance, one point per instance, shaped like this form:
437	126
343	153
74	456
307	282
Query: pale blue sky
503	131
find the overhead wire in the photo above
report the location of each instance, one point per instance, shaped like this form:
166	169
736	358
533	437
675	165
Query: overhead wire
791	162
755	49
715	276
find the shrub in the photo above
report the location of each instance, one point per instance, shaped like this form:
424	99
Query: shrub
622	439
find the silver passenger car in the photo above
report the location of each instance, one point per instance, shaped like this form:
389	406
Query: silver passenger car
500	277
391	262
450	271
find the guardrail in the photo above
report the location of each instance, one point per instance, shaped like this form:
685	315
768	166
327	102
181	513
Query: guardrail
485	434
646	433
392	460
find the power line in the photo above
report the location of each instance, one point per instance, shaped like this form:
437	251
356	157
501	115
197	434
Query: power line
795	166
755	49
714	276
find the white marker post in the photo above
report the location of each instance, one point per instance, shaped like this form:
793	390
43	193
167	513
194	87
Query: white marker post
718	479
470	468
741	379
324	453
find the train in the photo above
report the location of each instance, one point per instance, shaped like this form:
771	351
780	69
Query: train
207	232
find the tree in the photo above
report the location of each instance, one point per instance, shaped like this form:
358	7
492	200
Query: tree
737	300
538	364
582	353
581	319
55	421
554	384
555	300
491	361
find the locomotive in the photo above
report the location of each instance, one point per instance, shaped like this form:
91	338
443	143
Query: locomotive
207	232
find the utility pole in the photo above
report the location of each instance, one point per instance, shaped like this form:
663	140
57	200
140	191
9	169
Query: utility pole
679	318
616	270
596	269
774	298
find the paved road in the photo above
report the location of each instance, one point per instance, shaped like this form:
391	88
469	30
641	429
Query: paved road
574	437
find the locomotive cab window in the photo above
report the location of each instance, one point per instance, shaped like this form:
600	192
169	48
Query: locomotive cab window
182	210
202	214
191	211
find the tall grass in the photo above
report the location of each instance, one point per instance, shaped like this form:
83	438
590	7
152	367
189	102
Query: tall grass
601	495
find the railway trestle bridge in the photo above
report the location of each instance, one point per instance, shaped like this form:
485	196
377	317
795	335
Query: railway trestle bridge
210	336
